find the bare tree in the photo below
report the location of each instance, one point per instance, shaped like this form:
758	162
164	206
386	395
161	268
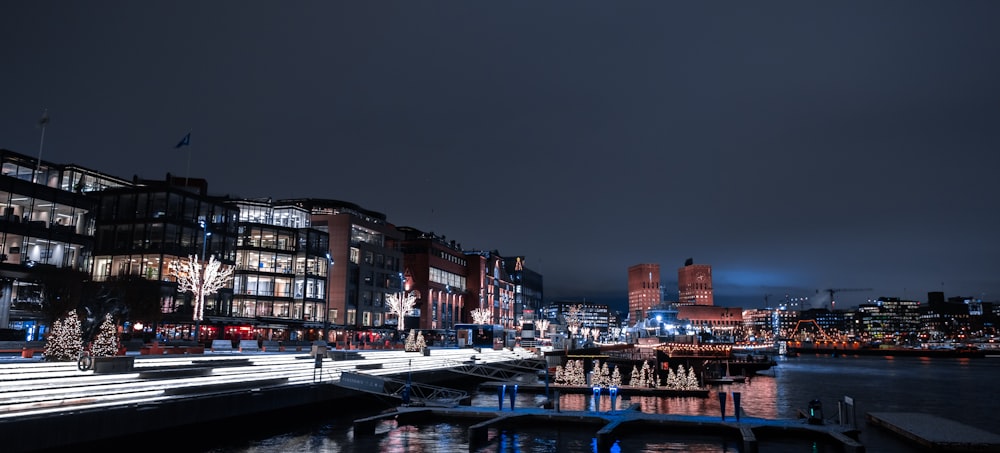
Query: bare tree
542	326
400	304
573	318
201	281
482	315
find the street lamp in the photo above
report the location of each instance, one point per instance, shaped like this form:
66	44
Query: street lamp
204	256
326	316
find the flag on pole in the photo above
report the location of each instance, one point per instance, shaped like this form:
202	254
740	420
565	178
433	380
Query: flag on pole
186	141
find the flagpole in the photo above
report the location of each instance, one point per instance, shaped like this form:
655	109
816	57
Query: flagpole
41	141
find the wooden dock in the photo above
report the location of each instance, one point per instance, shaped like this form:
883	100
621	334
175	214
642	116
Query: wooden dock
936	433
609	426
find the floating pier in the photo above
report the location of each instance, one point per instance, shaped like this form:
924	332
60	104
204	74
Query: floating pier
609	426
936	433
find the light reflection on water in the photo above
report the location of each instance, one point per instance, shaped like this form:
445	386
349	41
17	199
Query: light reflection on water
958	389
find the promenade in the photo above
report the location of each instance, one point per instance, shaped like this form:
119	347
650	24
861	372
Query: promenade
45	405
54	405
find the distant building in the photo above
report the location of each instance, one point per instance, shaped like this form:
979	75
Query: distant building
494	288
596	317
643	291
694	282
528	287
720	322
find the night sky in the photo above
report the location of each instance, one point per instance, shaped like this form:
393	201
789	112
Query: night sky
793	146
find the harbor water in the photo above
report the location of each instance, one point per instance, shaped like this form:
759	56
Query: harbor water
958	389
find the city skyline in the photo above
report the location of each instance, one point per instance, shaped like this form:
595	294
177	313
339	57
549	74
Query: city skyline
794	148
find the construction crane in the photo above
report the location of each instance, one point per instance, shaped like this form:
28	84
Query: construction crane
840	290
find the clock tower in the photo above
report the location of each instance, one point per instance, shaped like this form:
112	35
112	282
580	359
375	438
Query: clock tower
694	284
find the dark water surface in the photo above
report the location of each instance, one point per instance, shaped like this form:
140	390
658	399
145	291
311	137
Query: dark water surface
963	390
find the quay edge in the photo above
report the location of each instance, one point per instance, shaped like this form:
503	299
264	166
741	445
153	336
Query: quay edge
243	407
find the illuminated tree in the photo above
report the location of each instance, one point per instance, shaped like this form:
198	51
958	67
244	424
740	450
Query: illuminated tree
573	318
616	378
576	376
672	381
542	325
201	281
65	340
692	380
482	315
635	379
647	379
415	341
106	342
399	305
603	375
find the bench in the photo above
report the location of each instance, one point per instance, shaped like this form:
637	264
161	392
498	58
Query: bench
27	349
26	352
344	355
368	366
222	346
114	364
249	346
273	346
158	349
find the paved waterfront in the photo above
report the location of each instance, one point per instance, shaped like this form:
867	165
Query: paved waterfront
35	387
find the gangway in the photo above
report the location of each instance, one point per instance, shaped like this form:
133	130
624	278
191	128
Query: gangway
413	393
513	370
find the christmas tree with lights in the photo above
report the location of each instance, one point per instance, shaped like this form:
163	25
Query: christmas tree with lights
65	342
106	343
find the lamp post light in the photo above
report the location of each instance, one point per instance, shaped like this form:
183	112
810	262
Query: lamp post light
326	316
204	257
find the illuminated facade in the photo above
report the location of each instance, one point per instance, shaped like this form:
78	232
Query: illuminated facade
694	283
367	260
141	229
280	281
46	230
437	271
528	287
493	286
721	322
643	290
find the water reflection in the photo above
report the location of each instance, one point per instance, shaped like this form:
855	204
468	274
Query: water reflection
954	389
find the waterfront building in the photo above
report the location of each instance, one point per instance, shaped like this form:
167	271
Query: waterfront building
437	273
46	233
280	279
528	291
760	324
721	323
575	316
367	260
890	320
663	321
834	323
941	319
143	227
643	291
494	288
694	282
